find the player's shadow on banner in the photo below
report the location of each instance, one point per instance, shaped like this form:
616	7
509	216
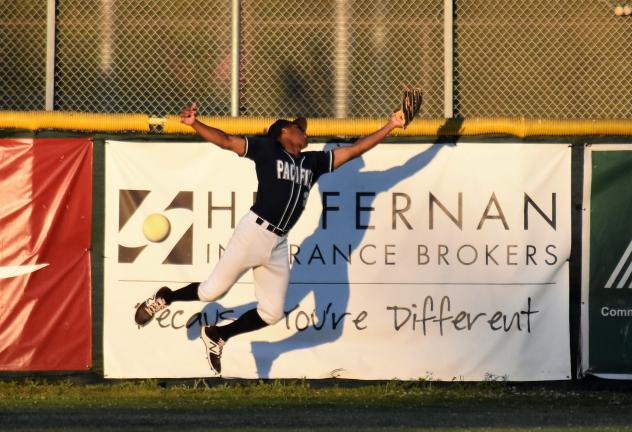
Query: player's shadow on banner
313	258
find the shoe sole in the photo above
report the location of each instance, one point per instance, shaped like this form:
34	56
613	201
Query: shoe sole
150	317
143	323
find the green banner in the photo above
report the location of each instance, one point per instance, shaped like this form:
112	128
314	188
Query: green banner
610	280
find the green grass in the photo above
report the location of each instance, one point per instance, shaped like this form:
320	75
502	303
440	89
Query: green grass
306	405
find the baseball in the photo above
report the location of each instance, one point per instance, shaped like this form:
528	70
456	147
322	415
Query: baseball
627	10
156	227
618	11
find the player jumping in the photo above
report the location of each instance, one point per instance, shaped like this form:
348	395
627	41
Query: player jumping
285	174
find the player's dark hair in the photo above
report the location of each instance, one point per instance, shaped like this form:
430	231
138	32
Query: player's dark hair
274	131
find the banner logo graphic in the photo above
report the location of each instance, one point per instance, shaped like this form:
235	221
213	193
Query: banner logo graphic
621	267
155	227
12	271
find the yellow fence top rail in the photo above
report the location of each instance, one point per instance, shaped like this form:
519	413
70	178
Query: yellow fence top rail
58	120
317	127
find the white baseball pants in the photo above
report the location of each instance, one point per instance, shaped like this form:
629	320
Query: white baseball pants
253	246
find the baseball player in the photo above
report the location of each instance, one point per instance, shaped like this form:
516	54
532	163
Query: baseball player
285	173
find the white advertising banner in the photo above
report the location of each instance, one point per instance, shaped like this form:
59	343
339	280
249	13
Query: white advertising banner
414	261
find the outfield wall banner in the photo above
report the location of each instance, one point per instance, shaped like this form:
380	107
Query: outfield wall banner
415	261
607	261
45	229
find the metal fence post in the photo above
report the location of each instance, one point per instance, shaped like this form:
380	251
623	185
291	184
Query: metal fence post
50	55
341	59
448	52
235	58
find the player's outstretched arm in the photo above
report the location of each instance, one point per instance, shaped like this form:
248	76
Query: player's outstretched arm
364	144
211	134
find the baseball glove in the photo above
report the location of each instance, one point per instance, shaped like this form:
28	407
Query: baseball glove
411	104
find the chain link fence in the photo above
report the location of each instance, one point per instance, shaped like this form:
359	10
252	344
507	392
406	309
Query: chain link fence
150	56
339	58
319	58
542	59
22	55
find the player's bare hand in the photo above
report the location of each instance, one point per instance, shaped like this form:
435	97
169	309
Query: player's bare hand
397	119
187	116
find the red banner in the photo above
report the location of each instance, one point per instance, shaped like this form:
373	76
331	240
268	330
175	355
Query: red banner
45	228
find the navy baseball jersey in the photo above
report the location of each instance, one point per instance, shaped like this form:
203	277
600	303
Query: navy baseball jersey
284	180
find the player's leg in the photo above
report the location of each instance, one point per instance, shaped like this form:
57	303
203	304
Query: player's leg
271	281
187	293
231	266
246	249
161	299
271	284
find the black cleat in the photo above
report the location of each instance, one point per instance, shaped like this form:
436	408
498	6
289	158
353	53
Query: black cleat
214	345
146	310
